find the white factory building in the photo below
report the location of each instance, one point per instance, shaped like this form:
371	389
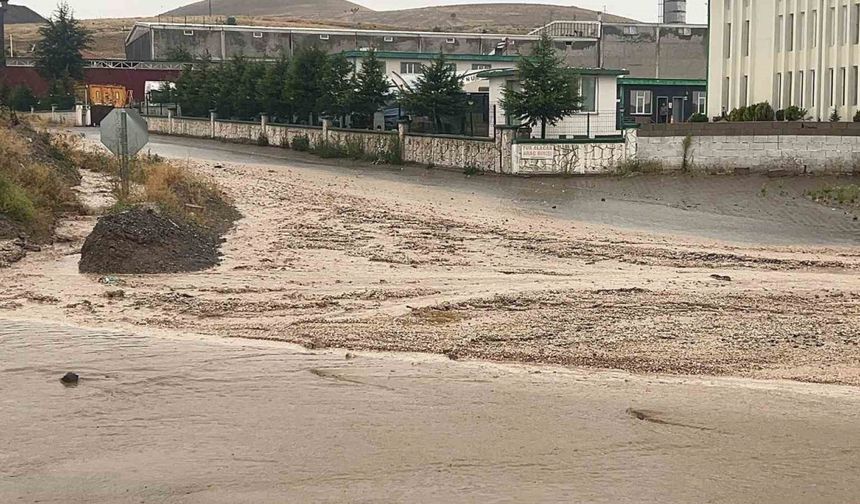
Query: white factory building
787	52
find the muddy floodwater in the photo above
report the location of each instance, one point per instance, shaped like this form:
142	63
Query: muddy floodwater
160	418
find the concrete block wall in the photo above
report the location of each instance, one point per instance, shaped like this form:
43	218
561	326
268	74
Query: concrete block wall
792	147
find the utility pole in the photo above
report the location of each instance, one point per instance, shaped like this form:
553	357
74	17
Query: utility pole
3	5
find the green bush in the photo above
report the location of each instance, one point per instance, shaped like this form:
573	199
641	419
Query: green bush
795	113
263	140
835	117
301	143
755	112
698	118
354	149
328	150
14	202
738	114
22	99
857	116
780	115
393	153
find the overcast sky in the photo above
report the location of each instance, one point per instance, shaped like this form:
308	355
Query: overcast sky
645	10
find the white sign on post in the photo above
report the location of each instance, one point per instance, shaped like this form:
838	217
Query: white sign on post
537	151
124	132
136	128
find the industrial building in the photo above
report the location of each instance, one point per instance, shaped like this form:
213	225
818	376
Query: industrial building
804	53
646	50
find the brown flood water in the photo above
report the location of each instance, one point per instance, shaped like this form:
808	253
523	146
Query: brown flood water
203	420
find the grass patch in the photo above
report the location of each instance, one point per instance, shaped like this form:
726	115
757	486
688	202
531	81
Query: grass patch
37	173
637	166
180	194
848	195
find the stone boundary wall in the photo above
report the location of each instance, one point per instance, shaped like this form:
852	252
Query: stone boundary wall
758	147
439	150
63	117
501	154
451	151
573	157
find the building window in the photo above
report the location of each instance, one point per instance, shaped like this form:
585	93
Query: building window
831	26
777	91
831	83
700	102
746	38
410	68
780	23
813	29
789	33
843	25
588	92
631	30
388	38
745	90
258	34
843	86
855	82
451	41
801	26
324	36
789	85
727	88
188	33
812	88
800	89
481	66
642	102
855	26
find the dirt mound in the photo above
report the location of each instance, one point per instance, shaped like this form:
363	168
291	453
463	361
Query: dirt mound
141	240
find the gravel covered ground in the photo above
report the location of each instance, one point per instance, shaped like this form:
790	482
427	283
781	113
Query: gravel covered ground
344	258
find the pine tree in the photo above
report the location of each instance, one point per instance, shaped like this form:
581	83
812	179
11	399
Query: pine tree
59	52
305	83
372	90
336	97
437	93
271	89
549	91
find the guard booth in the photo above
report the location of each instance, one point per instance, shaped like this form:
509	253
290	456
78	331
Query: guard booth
100	99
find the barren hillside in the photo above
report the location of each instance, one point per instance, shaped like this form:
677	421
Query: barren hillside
501	17
306	9
21	14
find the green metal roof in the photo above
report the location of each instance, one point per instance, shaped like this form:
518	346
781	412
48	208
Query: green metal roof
511	72
430	56
636	81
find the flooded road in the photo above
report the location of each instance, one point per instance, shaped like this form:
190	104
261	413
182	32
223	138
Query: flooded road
205	420
748	209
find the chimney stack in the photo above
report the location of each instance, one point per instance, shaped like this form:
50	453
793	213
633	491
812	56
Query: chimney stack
675	11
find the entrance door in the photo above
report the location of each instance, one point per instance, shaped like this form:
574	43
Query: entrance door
678	109
662	109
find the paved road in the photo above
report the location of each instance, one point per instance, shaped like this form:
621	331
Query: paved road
195	420
749	209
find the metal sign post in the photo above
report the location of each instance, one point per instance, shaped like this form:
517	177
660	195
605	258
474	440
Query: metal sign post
123	155
124	132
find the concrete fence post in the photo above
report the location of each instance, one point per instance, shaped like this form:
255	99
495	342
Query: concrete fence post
212	116
505	144
402	131
170	121
53	113
264	124
326	125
